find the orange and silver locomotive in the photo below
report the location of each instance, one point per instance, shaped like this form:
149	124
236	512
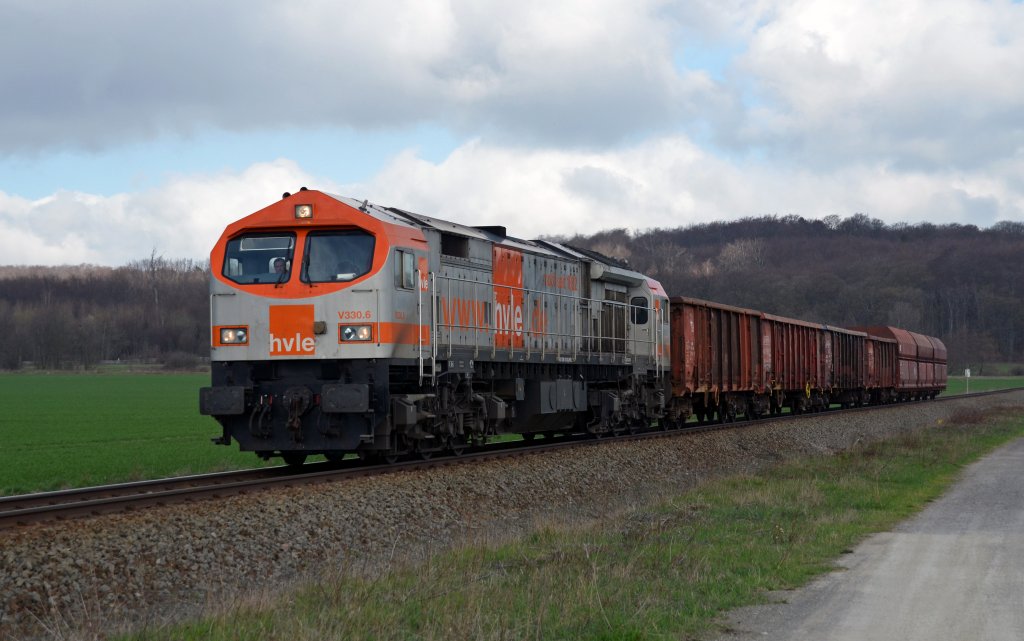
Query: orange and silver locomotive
341	326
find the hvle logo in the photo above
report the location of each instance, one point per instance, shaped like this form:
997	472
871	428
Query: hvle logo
291	330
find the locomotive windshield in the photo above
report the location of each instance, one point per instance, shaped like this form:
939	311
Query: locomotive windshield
259	258
337	256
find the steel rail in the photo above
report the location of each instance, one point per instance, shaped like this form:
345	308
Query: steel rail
20	510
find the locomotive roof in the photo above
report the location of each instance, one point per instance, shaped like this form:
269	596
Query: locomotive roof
493	234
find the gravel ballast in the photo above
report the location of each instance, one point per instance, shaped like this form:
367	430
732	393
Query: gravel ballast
94	576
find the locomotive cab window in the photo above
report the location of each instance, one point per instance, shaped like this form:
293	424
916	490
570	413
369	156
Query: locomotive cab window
259	258
638	310
333	256
405	270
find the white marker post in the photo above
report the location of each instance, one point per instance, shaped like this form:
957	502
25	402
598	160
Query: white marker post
967	379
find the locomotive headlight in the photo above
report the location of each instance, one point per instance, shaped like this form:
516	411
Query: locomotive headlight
234	336
303	211
356	333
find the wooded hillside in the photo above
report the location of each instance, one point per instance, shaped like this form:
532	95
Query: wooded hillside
70	317
957	282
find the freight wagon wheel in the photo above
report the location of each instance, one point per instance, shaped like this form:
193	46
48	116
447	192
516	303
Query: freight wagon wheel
294	459
721	414
529	436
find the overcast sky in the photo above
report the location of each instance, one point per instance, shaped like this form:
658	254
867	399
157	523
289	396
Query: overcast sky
128	127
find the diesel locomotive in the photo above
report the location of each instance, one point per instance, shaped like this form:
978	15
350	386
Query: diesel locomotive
340	326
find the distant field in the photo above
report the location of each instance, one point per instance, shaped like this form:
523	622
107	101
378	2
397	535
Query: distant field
72	430
66	430
959	384
998	369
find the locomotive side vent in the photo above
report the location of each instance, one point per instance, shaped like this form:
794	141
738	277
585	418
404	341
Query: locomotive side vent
452	245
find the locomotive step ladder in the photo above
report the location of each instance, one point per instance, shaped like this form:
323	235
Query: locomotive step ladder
426	351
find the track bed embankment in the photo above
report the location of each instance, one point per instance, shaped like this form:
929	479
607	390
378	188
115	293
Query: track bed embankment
174	562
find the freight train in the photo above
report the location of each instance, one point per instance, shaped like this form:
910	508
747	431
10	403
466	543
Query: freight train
340	326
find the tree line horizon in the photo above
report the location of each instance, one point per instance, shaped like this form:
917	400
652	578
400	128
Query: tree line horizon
957	282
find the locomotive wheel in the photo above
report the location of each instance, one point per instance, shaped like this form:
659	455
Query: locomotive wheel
294	459
529	436
457	446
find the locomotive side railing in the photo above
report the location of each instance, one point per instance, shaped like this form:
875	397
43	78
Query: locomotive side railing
571	336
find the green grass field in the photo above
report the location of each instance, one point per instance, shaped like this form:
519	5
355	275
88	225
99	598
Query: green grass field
67	430
959	384
71	430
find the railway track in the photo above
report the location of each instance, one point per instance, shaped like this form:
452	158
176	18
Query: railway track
26	509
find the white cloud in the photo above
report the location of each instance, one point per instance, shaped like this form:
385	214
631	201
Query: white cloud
665	183
671	182
584	71
180	219
919	84
928	84
585	113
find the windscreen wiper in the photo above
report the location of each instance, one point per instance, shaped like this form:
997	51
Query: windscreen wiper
281	278
305	268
